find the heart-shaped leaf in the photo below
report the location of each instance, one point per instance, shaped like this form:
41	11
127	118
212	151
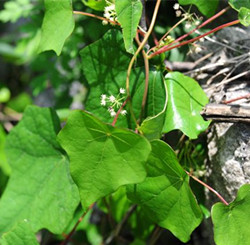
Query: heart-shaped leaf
231	222
40	189
102	158
58	24
129	15
165	195
185	101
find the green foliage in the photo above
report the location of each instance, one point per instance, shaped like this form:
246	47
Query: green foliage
98	152
110	155
15	9
207	8
40	182
129	15
98	5
21	234
244	16
58	24
165	195
185	100
233	219
243	7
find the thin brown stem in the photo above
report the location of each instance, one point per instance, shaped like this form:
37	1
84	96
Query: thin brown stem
68	237
247	96
146	65
203	24
95	16
119	111
169	47
119	226
208	187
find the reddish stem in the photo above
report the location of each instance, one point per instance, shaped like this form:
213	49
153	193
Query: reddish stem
247	96
208	187
201	25
167	48
119	111
65	241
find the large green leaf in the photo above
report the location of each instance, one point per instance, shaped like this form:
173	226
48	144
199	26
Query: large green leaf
206	7
108	62
102	157
21	234
98	5
165	195
40	188
185	101
231	222
129	15
58	24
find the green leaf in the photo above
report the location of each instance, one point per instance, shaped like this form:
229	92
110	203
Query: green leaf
238	4
233	219
98	5
102	157
3	161
185	101
165	195
244	16
108	62
15	9
206	7
40	188
58	24
152	126
129	15
21	234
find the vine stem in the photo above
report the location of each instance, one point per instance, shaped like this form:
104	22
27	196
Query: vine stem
146	64
65	241
150	29
95	16
208	187
102	18
196	28
167	48
203	24
247	96
119	111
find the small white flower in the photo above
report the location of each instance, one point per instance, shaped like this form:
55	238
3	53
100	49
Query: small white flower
197	22
103	102
110	109
188	25
104	22
110	8
176	6
122	91
202	39
112	113
106	15
197	49
112	98
178	13
103	96
123	112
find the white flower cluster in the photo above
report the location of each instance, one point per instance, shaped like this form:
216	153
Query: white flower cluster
114	103
109	13
191	18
